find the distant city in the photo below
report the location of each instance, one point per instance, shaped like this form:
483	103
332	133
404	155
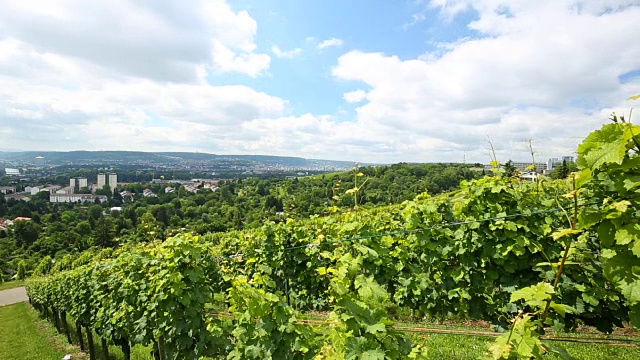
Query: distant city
28	168
541	167
19	163
28	173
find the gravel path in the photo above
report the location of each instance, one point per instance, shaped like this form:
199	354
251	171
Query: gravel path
12	296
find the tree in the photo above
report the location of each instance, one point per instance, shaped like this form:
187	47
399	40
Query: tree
22	270
509	169
25	232
563	171
103	234
95	212
149	229
83	190
106	190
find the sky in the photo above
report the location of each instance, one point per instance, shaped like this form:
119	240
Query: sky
363	80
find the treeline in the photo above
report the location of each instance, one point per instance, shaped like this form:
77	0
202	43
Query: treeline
59	229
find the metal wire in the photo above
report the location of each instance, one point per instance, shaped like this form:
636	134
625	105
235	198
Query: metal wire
466	332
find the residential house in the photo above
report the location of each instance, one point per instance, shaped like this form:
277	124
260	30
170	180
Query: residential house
148	193
76	198
17	197
7	189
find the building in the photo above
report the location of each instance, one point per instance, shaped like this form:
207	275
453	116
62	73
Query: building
102	180
78	183
11	172
7	189
110	179
6	223
113	181
523	166
33	190
53	188
529	176
553	163
40	161
148	193
17	197
77	198
65	190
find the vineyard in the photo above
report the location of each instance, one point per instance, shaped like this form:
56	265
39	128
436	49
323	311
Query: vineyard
523	255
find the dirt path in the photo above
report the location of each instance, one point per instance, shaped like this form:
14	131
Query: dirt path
12	296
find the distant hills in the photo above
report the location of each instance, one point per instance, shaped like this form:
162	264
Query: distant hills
165	158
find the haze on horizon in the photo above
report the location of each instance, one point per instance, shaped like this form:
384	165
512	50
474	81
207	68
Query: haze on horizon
371	81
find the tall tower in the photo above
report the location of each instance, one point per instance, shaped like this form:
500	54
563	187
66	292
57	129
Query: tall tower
102	180
113	181
78	183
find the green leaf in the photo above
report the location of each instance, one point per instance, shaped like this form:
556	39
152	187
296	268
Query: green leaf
627	234
623	270
634	315
374	329
559	350
534	294
562	309
620	206
583	177
606	233
372	355
500	348
602	146
564	232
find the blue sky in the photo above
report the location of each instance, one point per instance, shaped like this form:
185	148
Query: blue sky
371	81
372	26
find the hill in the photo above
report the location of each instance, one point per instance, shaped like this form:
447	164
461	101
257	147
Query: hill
169	158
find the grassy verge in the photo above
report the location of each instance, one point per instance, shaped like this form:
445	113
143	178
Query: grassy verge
11	284
468	346
465	347
23	336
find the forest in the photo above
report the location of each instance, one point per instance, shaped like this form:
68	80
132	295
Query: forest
56	230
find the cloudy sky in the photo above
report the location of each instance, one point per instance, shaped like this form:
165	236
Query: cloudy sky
363	80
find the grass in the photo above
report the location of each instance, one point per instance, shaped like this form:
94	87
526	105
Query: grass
24	337
24	334
465	347
11	284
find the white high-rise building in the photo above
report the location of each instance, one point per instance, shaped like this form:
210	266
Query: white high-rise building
78	183
110	179
113	181
102	180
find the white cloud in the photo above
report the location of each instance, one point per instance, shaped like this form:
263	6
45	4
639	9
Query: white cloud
165	41
355	96
78	75
285	54
540	71
330	43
